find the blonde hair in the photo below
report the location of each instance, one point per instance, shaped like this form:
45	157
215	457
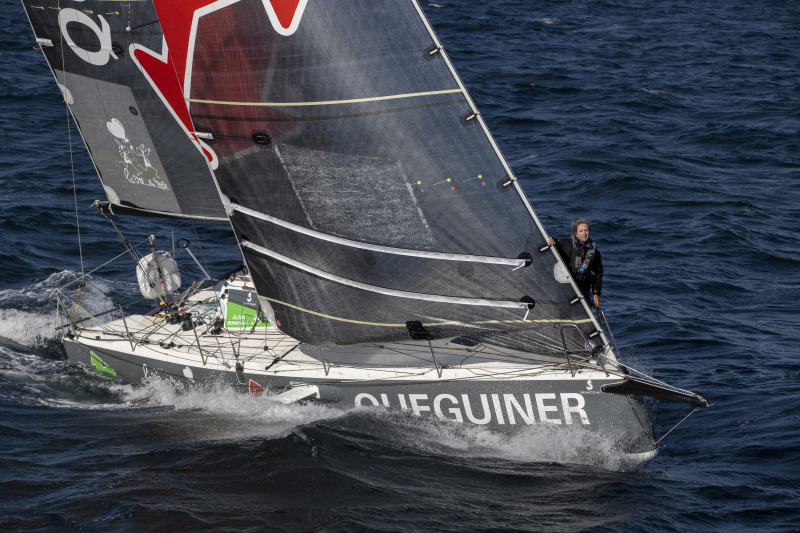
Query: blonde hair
577	223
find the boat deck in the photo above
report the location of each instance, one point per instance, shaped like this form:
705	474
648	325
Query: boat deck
199	335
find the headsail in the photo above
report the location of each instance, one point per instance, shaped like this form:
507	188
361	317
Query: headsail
146	153
364	189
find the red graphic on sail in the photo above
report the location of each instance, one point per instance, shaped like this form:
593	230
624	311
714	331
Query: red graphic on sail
160	71
170	71
286	11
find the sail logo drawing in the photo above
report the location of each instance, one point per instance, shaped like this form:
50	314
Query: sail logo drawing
135	160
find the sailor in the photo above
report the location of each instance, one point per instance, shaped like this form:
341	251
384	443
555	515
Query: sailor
581	255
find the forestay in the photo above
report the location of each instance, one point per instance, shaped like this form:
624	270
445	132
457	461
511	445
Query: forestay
364	188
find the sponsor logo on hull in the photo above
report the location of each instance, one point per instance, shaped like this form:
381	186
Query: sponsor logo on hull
529	409
100	365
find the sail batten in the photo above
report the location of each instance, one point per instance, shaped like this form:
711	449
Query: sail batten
452	300
515	262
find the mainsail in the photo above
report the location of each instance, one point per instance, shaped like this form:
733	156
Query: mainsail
149	159
364	188
369	200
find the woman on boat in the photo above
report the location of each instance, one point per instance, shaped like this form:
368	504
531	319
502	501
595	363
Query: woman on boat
582	257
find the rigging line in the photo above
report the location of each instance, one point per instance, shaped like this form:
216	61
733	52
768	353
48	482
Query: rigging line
320	118
131	249
496	354
646	378
455	300
375	247
214	284
441	351
325	102
199	244
64	94
93	271
676	425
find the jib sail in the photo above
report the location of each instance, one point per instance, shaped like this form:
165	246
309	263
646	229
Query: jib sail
107	58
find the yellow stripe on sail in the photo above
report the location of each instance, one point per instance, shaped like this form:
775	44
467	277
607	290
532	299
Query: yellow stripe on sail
446	323
325	102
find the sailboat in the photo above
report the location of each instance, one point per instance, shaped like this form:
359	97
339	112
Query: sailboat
392	258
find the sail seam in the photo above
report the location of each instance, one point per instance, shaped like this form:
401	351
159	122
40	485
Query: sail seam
515	262
325	102
455	300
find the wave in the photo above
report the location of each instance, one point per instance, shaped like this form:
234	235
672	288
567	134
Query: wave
471	446
217	412
29	314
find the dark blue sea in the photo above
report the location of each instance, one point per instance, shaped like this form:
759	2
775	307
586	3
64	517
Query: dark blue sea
672	126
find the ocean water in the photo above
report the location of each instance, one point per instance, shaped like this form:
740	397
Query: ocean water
671	126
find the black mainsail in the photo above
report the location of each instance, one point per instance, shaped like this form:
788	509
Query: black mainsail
149	159
363	186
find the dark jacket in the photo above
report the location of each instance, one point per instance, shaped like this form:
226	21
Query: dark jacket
576	254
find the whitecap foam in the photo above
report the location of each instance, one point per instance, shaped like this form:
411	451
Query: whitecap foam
218	412
29	315
224	412
25	328
532	444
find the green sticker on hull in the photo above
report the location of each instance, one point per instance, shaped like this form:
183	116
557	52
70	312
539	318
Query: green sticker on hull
101	366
